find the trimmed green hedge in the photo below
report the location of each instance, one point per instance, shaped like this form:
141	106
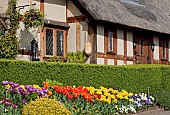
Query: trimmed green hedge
135	78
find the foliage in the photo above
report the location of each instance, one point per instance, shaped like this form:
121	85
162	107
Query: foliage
33	18
55	59
88	100
143	101
134	78
20	94
164	93
9	44
45	106
76	57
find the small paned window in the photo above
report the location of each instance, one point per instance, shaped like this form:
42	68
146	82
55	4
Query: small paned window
110	41
164	49
54	42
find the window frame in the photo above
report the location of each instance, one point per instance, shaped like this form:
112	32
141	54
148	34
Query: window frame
54	42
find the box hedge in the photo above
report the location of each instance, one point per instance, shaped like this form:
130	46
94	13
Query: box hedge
135	78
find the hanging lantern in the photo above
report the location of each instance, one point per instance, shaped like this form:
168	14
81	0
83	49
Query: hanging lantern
88	48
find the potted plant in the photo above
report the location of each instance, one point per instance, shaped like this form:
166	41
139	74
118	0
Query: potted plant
33	18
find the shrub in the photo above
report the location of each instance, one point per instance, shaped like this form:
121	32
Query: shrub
45	106
76	57
134	78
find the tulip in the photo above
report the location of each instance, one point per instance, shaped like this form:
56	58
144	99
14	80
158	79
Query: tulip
14	106
4	82
70	96
10	83
23	101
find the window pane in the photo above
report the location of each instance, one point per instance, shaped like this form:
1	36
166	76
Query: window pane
110	41
164	49
60	43
142	47
49	42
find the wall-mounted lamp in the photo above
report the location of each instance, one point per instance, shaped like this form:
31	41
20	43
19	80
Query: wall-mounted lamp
134	44
152	46
34	49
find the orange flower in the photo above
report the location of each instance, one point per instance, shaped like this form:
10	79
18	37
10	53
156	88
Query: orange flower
46	85
50	93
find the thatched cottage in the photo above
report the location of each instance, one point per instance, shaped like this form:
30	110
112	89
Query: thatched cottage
120	31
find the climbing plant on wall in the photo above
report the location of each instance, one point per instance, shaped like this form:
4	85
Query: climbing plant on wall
9	44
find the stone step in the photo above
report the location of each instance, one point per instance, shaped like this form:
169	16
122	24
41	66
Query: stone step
151	111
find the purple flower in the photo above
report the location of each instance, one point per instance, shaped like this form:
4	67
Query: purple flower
21	89
60	103
7	103
14	106
27	87
23	101
16	85
4	82
1	102
10	83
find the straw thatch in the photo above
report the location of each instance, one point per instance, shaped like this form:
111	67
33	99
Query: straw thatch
152	15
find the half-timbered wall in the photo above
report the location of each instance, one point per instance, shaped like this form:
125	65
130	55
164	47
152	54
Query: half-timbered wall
26	37
156	51
72	10
100	43
3	6
120	42
71	38
55	10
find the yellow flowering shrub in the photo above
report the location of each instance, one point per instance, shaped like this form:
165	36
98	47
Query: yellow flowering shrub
45	106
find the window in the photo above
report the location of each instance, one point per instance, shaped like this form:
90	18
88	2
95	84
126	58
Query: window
54	42
110	41
142	47
164	49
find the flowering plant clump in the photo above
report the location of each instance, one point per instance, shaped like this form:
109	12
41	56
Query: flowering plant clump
20	94
45	106
143	101
33	18
88	100
7	106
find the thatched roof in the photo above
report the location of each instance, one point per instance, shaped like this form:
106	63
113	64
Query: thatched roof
152	15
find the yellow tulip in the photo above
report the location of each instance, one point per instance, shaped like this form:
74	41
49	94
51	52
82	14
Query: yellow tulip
126	97
115	100
108	100
130	94
130	100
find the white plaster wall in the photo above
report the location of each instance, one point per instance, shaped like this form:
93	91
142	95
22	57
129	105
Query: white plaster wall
83	34
26	37
100	39
156	51
3	6
55	10
100	61
129	62
72	10
23	57
110	62
120	62
26	2
71	38
120	42
169	49
129	43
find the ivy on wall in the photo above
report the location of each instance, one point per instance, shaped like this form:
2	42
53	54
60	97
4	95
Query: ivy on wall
9	44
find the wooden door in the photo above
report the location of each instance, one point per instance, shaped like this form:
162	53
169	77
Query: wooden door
142	50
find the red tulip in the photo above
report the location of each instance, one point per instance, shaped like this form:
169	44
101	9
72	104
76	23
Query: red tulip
76	95
70	96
